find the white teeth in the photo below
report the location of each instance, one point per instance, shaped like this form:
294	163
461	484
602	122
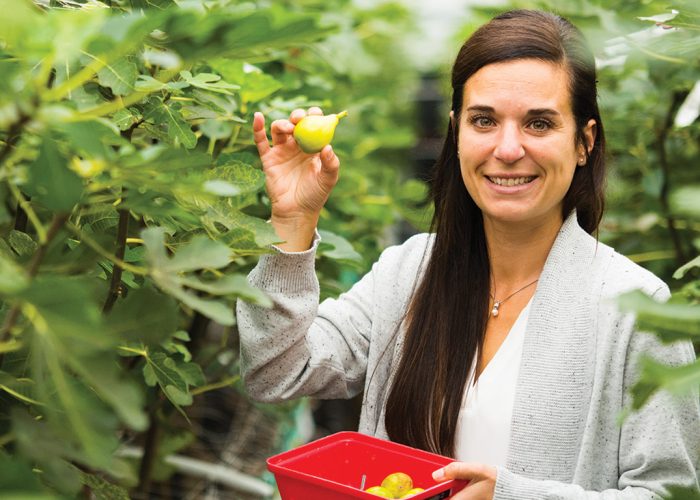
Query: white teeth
511	181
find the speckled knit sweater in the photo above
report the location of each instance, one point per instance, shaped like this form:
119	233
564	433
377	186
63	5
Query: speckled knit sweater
580	357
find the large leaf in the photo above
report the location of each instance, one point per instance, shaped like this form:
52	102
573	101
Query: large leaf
671	321
120	76
145	316
52	183
199	253
13	277
336	247
174	378
168	114
19	481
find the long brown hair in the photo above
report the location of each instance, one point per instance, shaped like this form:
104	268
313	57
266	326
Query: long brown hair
448	313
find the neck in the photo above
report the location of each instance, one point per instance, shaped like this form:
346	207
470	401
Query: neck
517	252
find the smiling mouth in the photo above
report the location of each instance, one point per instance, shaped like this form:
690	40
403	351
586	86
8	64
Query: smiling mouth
511	181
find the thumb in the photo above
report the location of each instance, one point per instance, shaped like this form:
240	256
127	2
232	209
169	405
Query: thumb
330	165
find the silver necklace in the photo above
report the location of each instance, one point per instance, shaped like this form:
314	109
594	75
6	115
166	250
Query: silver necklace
497	303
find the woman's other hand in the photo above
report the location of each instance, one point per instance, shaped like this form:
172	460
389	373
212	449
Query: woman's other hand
297	183
482	479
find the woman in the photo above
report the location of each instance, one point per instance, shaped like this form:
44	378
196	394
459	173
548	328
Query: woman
494	339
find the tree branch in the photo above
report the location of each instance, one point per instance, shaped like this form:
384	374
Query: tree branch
676	101
115	286
57	223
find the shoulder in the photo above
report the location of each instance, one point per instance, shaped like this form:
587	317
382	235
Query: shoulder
579	256
623	275
408	255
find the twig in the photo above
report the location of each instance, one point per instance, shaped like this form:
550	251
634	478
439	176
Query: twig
115	286
150	446
24	207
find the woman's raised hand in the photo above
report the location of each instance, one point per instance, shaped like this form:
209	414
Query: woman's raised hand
297	183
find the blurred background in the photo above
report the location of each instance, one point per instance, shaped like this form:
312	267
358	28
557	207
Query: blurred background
387	63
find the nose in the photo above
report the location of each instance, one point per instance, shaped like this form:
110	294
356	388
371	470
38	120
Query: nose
509	148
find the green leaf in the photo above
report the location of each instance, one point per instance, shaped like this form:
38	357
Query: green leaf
655	376
133	320
233	284
168	376
177	396
682	493
191	373
52	183
21	243
254	84
337	247
159	112
13	278
19	481
199	253
96	138
102	489
246	234
208	81
680	272
119	75
670	321
221	188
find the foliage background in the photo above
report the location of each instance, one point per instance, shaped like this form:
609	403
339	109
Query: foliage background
132	207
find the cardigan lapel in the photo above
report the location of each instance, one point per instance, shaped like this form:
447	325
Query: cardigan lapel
554	384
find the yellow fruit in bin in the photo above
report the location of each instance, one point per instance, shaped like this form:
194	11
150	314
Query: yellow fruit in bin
379	491
314	132
398	484
412	491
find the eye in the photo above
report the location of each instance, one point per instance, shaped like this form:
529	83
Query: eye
481	121
540	125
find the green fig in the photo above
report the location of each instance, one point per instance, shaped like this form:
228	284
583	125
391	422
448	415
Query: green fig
313	132
380	491
411	492
398	484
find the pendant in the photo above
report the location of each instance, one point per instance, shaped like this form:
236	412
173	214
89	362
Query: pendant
494	311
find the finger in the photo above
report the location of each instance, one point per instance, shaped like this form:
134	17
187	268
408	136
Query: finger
297	115
464	470
330	165
315	110
259	134
281	130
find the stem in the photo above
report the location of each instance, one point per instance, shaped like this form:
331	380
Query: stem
81	77
59	220
115	286
676	101
216	385
150	447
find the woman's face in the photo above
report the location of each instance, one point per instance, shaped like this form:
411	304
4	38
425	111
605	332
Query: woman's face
517	145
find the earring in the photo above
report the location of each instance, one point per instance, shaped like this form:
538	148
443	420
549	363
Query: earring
581	160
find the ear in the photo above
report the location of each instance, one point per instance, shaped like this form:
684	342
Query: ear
589	132
453	124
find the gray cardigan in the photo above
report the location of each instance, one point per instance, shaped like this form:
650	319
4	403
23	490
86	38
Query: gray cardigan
579	359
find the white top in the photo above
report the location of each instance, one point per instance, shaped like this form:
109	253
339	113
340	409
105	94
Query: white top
483	428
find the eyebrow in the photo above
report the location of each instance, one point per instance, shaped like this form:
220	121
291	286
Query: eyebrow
530	112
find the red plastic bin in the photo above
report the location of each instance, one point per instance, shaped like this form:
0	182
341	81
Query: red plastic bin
331	468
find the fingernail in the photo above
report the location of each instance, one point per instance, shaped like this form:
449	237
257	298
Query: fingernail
439	474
